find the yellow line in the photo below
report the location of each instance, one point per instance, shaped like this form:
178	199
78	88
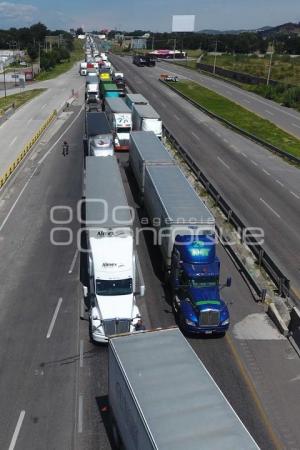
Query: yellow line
278	445
26	149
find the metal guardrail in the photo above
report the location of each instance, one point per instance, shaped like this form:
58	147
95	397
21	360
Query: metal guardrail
26	148
263	258
254	138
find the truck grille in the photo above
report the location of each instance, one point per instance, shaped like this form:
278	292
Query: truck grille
116	326
209	317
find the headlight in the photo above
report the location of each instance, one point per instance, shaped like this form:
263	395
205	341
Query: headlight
190	323
225	322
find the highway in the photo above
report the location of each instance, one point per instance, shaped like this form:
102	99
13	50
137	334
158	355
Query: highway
53	383
262	188
285	118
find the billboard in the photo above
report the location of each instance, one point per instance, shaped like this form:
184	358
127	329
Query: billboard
183	23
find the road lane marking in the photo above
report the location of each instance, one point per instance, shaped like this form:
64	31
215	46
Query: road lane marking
253	162
59	138
13	141
195	136
17	431
270	208
81	353
54	317
226	141
28	121
244	154
279	182
163	104
176	117
295	125
223	162
73	261
269	112
44	106
80	413
17	199
295	195
266	172
246	101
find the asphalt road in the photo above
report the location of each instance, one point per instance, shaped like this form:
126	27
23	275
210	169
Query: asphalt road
285	118
53	383
262	188
16	132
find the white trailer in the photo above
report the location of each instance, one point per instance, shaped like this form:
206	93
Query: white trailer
145	149
162	397
145	118
120	119
112	262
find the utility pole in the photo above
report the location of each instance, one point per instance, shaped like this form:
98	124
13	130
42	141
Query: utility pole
174	48
215	61
4	82
270	66
152	42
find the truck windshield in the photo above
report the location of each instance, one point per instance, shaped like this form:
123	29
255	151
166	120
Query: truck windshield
203	282
114	287
123	130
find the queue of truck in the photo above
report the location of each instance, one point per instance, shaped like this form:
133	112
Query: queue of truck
160	394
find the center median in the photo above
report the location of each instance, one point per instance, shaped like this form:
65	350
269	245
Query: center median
239	118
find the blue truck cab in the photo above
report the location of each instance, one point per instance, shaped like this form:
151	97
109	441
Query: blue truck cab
195	286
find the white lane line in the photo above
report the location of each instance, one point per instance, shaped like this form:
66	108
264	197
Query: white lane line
270	208
269	112
226	141
223	162
59	138
295	195
13	141
17	199
279	182
81	353
295	125
17	431
253	162
246	101
234	148
28	121
163	104
73	261
244	154
266	172
195	136
176	117
44	106
80	413
51	326
218	134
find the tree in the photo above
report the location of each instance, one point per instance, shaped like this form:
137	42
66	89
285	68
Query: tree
32	52
38	32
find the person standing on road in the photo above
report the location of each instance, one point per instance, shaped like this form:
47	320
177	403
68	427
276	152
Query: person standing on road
65	150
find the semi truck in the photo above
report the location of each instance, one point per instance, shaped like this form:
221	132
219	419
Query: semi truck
135	99
83	68
145	118
109	90
146	149
185	233
161	397
113	278
98	136
119	117
139	60
150	60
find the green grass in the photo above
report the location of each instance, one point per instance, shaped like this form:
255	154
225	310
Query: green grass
18	99
76	55
239	116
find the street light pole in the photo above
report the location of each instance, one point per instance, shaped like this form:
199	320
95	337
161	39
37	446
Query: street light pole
270	66
4	82
215	61
174	48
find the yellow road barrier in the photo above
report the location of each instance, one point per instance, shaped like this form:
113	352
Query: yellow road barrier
26	148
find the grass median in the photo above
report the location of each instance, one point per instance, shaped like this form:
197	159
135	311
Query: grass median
239	116
76	55
18	99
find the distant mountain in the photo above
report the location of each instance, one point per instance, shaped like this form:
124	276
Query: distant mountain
286	28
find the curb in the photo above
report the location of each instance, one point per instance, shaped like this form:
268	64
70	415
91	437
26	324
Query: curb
276	318
26	149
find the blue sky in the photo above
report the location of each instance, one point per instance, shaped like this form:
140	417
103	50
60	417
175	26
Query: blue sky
154	15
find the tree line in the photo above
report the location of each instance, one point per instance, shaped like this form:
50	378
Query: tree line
32	40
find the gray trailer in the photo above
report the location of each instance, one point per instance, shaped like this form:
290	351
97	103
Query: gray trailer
174	207
135	99
145	118
146	149
162	397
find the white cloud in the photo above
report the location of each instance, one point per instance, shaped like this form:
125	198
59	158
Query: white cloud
17	11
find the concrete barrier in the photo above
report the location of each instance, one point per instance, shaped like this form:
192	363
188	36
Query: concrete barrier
4	177
277	319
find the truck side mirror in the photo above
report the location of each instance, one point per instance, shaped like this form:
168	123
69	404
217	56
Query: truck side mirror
85	291
228	282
